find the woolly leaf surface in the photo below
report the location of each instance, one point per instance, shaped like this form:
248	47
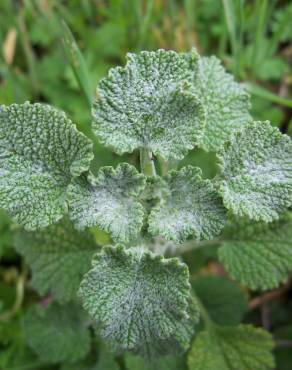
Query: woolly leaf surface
256	172
109	201
225	101
57	333
192	208
40	151
148	104
140	300
232	348
58	256
258	255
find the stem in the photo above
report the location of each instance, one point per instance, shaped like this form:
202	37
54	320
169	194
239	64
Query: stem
147	162
193	244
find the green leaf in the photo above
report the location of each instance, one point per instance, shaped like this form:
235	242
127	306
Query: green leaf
192	208
5	234
232	348
225	101
40	151
163	363
224	301
106	361
256	172
57	333
258	255
109	201
58	256
140	300
148	104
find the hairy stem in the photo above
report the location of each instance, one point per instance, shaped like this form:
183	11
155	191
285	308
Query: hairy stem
147	162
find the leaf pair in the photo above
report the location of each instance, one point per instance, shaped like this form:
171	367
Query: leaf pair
42	156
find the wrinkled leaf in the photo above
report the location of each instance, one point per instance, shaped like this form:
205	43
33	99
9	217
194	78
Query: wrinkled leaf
58	256
192	208
109	201
258	255
148	104
225	101
140	300
40	152
256	172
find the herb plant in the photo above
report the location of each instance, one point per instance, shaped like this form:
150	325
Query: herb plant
138	291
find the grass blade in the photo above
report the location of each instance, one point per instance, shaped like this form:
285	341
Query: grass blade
268	95
77	62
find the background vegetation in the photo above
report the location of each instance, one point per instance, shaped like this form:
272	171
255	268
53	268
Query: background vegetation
40	61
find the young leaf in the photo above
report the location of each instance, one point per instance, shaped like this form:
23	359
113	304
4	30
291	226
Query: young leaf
57	333
109	201
138	299
225	101
256	172
224	301
58	256
40	151
232	348
192	208
258	255
148	105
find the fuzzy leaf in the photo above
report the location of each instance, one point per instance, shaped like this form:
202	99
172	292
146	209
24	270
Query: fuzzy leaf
138	299
148	105
57	333
225	101
256	172
40	151
58	256
192	208
224	301
109	201
258	255
232	348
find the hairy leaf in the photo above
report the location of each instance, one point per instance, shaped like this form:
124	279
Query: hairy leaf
232	348
192	208
57	333
224	301
225	101
148	105
109	201
138	299
59	256
258	255
40	151
256	172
